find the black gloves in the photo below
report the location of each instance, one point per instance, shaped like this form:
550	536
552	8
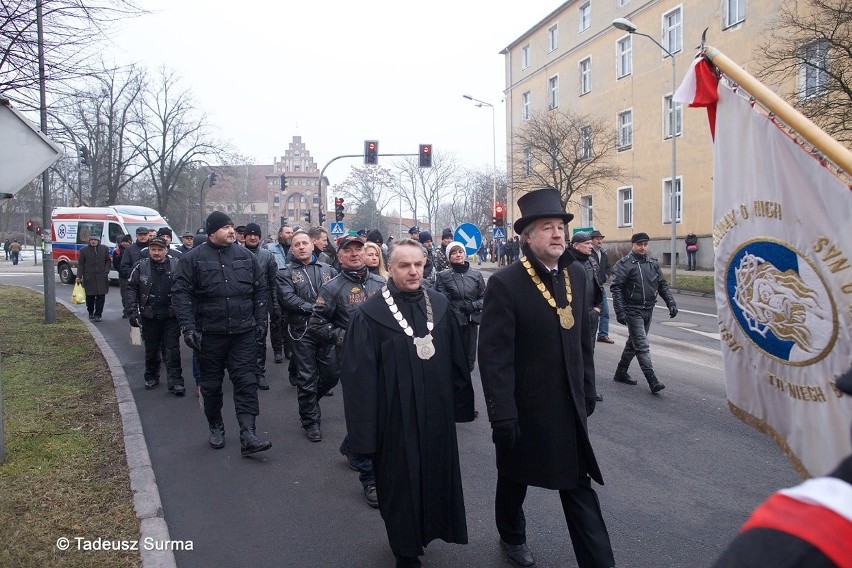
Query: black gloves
590	406
621	318
259	333
672	310
134	321
193	339
505	433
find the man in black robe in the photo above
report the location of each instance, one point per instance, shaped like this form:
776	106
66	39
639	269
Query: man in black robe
405	384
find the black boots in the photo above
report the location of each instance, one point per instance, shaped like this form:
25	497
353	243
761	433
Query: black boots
262	384
314	433
249	442
217	435
654	382
519	554
621	375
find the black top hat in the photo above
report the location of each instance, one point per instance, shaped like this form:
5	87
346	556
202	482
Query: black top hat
540	204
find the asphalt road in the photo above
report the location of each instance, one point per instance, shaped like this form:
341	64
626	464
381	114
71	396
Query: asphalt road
681	472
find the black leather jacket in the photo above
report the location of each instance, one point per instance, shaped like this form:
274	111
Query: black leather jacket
594	288
465	290
140	283
269	266
636	281
129	258
336	302
219	289
298	287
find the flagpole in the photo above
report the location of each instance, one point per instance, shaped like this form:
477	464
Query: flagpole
814	135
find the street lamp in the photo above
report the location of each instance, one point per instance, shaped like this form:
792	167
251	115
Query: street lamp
626	25
493	151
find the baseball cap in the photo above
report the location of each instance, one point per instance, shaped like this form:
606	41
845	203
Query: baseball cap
142	231
158	242
348	240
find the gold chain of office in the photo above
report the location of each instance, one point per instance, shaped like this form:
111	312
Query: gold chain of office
566	317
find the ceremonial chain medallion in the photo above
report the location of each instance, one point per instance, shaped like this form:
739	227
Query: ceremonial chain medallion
566	317
423	345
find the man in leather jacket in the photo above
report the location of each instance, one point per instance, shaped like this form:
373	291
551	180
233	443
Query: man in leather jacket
334	306
270	270
316	362
636	281
149	295
280	343
220	298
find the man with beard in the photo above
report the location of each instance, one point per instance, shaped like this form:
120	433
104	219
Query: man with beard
149	300
316	362
270	271
219	297
581	250
335	303
538	375
405	385
280	342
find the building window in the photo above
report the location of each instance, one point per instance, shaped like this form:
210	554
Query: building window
586	143
673	30
734	12
586	76
672	118
553	87
552	37
624	56
625	207
585	16
526	104
276	201
525	56
251	208
667	199
813	76
625	130
527	162
586	208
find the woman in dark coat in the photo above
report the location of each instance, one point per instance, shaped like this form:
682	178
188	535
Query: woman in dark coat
93	267
465	288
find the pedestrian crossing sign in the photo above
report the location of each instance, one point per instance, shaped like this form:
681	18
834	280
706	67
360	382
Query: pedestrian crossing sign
499	232
337	228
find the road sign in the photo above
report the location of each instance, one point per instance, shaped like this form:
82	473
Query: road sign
582	230
470	236
499	232
24	151
337	228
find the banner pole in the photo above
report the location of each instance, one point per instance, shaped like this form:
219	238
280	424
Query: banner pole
818	138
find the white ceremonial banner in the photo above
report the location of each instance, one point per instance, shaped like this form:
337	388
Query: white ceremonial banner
783	237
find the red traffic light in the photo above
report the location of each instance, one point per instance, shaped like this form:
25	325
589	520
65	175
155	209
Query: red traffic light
425	155
498	210
338	201
29	225
371	152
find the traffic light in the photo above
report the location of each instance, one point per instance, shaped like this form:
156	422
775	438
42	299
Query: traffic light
338	209
30	225
84	155
321	217
308	216
425	155
499	212
282	183
211	179
371	152
38	230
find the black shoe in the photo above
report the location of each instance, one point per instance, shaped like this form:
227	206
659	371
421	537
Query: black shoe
293	380
314	433
371	497
178	390
97	318
249	442
217	435
599	397
656	386
329	393
151	384
407	561
518	553
91	316
279	357
262	384
624	378
605	339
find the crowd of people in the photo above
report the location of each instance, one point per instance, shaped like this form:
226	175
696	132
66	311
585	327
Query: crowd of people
399	325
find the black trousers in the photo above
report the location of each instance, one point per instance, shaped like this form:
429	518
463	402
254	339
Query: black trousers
582	510
261	353
95	304
469	334
236	353
162	334
317	374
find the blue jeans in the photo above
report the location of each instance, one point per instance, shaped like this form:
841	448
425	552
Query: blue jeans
603	324
361	462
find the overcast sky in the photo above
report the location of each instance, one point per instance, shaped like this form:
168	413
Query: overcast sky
337	72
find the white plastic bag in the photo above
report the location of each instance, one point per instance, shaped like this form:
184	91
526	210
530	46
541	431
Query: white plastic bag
135	336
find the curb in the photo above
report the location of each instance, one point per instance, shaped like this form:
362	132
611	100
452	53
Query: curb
143	483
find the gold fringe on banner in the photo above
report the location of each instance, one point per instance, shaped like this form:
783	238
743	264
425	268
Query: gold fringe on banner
779	440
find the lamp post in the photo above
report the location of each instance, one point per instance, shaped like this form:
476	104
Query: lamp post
480	103
626	25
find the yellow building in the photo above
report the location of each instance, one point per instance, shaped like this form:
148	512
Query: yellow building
575	59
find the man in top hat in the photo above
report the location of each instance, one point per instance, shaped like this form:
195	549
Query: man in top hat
93	266
636	281
538	375
600	258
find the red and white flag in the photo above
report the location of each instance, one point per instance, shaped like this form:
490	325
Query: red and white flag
699	89
783	244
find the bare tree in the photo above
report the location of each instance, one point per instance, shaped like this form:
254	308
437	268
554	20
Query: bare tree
570	152
473	199
171	134
425	188
371	188
810	46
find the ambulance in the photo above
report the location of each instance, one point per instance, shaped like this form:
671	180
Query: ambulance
71	227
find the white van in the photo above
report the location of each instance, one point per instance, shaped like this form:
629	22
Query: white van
71	227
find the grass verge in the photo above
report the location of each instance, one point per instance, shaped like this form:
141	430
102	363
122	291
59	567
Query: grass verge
695	283
65	473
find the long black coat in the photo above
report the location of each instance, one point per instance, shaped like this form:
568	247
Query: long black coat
93	267
403	410
535	371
